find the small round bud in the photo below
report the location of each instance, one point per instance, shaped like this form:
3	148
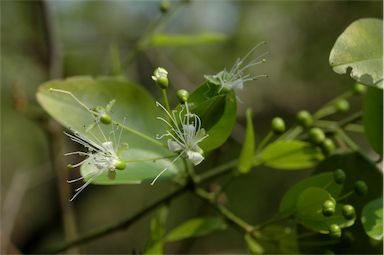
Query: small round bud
120	165
278	125
334	230
339	176
328	208
348	212
106	119
359	89
160	76
111	175
182	95
316	135
304	118
360	188
327	146
342	105
164	6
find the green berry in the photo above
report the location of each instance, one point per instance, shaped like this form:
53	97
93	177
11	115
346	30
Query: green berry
316	135
360	188
278	125
327	146
304	118
342	105
182	95
328	208
348	212
334	230
106	119
359	89
339	176
120	165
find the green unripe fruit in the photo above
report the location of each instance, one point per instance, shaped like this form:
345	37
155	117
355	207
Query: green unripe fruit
359	89
182	95
348	212
339	176
360	188
164	6
111	175
334	230
304	118
278	125
120	165
342	105
106	119
327	146
316	135
328	208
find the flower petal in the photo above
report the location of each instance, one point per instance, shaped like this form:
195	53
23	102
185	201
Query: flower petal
174	146
195	157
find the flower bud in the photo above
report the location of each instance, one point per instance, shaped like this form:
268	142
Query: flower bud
182	95
328	208
164	6
278	125
359	89
304	118
339	176
348	212
160	76
334	230
316	135
120	165
106	119
360	188
342	105
327	146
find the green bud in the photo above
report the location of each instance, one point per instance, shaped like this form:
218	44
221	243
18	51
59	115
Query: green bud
182	95
164	6
316	135
328	208
106	119
327	146
342	105
120	165
160	76
360	188
334	230
359	88
111	175
278	125
348	212
339	176
304	118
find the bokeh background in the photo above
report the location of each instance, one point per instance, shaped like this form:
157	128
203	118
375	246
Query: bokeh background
299	36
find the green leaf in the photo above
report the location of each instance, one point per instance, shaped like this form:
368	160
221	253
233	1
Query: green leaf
246	155
360	47
372	219
134	107
309	211
157	227
324	180
195	227
289	155
373	118
186	40
253	246
217	113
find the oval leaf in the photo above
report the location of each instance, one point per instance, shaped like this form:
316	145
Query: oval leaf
359	47
372	219
289	155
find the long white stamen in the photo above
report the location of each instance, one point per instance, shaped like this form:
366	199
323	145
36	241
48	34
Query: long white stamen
165	169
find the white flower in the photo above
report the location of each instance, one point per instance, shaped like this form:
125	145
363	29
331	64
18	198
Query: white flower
103	155
159	73
235	78
185	133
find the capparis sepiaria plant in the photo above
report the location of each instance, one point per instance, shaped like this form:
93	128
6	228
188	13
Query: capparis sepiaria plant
125	136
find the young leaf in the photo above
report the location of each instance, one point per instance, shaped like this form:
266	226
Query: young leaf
134	108
309	211
157	227
185	40
246	156
253	246
195	227
289	155
373	118
372	219
324	180
359	47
